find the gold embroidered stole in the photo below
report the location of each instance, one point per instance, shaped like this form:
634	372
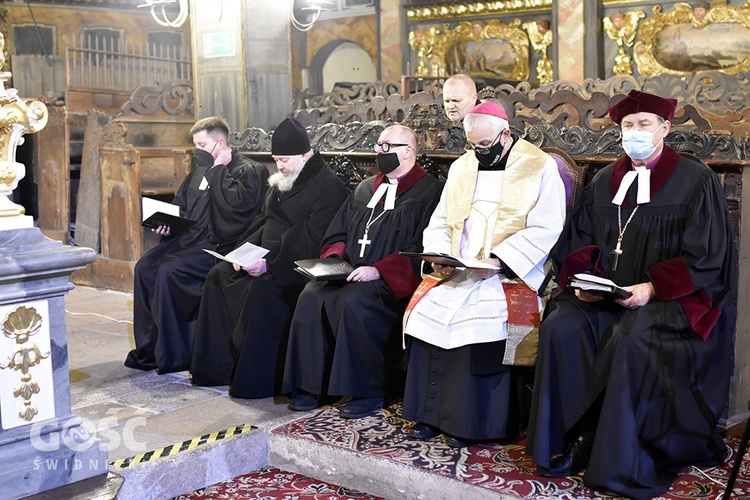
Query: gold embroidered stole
518	193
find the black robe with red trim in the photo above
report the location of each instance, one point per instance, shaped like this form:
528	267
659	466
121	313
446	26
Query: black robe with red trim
341	330
653	380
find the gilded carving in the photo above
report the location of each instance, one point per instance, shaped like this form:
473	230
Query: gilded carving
622	28
422	42
452	11
689	38
494	49
20	325
16	118
540	36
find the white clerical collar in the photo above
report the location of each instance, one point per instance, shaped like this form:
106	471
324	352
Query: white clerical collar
643	175
387	189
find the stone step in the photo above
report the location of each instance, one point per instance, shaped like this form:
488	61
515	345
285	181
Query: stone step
271	482
378	476
375	456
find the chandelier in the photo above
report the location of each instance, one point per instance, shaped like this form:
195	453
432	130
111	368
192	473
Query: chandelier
314	7
159	12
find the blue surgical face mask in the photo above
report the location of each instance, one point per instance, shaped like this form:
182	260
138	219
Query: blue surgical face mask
639	144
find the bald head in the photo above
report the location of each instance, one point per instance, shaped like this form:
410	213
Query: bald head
459	96
403	142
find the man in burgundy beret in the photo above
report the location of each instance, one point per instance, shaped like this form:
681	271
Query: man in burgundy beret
631	389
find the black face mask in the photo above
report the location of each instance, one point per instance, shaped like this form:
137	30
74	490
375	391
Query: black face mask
489	160
203	158
387	162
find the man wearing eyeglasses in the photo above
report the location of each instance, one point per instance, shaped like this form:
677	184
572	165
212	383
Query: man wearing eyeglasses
343	328
504	206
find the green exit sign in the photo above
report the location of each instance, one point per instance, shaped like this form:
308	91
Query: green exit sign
218	45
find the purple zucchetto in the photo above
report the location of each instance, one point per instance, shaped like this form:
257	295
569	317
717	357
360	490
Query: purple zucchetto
489	108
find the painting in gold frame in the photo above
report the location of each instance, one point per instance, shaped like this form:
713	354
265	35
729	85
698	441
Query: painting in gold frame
481	49
695	37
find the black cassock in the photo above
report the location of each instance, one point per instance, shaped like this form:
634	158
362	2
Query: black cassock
341	330
243	322
168	277
654	388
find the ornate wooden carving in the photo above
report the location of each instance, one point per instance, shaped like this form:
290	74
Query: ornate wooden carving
711	121
173	98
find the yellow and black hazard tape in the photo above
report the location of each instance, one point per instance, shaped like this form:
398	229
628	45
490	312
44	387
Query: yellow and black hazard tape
173	449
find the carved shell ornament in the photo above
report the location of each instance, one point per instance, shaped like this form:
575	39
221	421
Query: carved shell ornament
22	323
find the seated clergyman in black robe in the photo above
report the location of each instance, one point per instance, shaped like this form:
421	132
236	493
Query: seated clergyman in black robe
632	389
224	194
343	328
243	322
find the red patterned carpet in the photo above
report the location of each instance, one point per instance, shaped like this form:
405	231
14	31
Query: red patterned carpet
501	468
270	483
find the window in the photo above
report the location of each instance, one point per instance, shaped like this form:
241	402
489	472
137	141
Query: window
167	44
103	40
26	41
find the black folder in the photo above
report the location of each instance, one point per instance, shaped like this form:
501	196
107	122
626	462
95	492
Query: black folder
176	224
328	269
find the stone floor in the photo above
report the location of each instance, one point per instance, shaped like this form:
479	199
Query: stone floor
134	412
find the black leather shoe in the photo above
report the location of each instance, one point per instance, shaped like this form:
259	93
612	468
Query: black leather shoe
455	442
574	458
303	401
361	407
423	431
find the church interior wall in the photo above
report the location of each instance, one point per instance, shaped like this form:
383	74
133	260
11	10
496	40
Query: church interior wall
68	25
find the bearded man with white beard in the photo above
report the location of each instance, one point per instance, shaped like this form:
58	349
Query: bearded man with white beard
243	321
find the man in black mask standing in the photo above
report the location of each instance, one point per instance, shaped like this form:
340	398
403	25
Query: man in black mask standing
342	328
224	193
503	205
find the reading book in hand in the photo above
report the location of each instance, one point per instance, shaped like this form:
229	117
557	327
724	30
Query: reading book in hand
448	260
328	269
158	213
243	256
601	286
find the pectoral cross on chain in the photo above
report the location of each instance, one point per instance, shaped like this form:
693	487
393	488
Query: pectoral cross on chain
616	255
363	242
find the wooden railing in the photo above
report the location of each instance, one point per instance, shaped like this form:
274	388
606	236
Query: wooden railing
99	63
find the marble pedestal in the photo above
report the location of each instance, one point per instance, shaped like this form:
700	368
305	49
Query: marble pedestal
42	445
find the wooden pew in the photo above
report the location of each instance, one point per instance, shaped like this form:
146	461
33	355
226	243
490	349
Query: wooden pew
145	151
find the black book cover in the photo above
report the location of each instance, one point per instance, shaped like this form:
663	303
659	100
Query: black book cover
328	269
176	224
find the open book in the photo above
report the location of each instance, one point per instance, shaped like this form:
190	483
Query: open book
243	256
601	286
328	269
448	260
155	213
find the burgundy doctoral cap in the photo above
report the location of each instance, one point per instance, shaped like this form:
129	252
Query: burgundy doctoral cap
637	102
